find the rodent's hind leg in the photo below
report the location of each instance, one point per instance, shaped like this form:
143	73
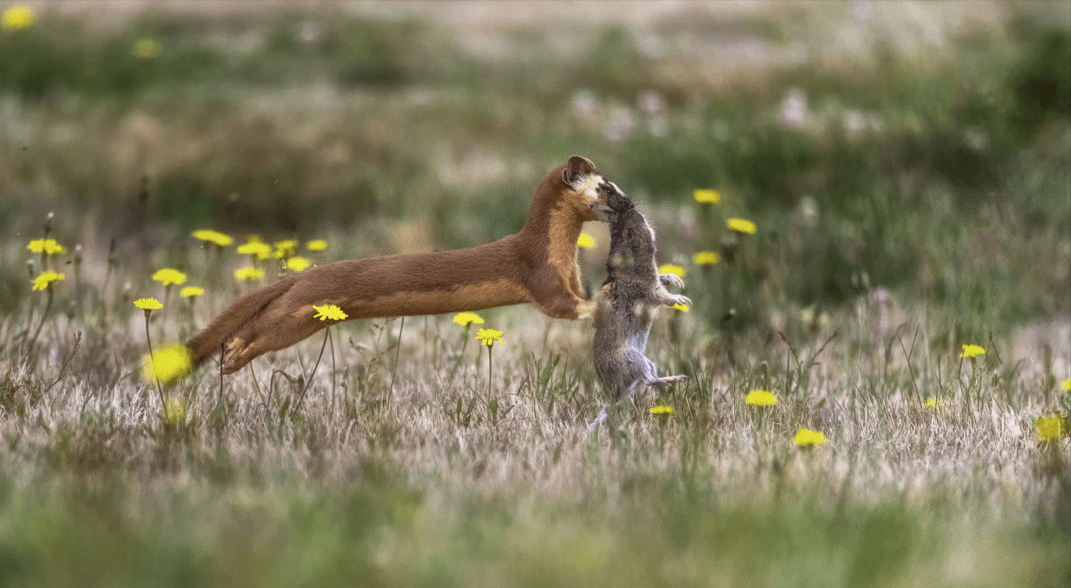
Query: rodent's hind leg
636	384
667	380
651	377
599	419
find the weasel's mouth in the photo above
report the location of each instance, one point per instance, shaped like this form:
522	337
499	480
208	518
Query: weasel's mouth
611	203
604	212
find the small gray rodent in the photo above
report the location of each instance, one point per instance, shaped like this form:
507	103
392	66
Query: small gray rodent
633	290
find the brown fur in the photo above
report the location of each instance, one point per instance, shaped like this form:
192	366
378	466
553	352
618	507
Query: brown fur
536	265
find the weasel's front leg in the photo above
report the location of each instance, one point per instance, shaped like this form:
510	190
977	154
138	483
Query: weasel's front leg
566	306
585	309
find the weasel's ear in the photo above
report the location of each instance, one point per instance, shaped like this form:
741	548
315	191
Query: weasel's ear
575	170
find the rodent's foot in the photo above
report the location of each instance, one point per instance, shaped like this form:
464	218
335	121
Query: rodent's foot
679	299
671	280
673	379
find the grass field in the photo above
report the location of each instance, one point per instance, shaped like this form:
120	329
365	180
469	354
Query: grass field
908	169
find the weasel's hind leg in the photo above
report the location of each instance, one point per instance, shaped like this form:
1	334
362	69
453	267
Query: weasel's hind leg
267	332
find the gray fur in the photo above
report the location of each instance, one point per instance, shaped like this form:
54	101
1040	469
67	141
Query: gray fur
632	292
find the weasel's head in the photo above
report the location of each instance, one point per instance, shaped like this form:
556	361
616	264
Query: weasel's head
596	197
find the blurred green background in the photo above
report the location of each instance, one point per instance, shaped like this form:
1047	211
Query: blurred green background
920	147
907	164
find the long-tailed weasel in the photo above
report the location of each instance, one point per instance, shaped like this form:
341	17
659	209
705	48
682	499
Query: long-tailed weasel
536	265
625	306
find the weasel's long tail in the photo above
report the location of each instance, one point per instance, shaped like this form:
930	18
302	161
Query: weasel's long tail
209	341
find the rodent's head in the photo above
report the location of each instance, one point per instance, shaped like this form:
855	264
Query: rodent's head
632	241
616	199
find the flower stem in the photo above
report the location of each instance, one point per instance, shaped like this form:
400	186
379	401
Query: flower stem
256	386
334	370
308	380
489	370
397	355
152	359
44	315
460	355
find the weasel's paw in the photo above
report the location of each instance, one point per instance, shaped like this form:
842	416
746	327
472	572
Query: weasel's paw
233	353
586	309
671	280
679	299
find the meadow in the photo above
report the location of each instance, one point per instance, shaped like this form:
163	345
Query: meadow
880	372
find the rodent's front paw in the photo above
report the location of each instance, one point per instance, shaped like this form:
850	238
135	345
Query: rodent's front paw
679	299
671	280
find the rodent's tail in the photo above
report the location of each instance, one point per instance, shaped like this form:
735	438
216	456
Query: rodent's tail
209	341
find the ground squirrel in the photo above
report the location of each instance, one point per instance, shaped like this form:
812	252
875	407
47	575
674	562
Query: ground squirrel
633	290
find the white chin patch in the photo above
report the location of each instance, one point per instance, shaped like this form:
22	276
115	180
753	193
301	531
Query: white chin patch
589	187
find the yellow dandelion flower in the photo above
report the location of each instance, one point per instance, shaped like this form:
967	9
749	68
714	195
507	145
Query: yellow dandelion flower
248	274
1051	427
681	307
972	351
489	336
46	279
669	268
17	17
329	312
191	292
167	364
1066	385
168	276
317	245
705	258
585	241
46	246
809	438
468	318
707	196
761	398
215	237
742	226
148	304
174	412
297	264
931	402
285	248
146	48
261	250
661	409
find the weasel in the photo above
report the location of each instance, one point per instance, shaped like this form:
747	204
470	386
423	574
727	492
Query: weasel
538	265
625	306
